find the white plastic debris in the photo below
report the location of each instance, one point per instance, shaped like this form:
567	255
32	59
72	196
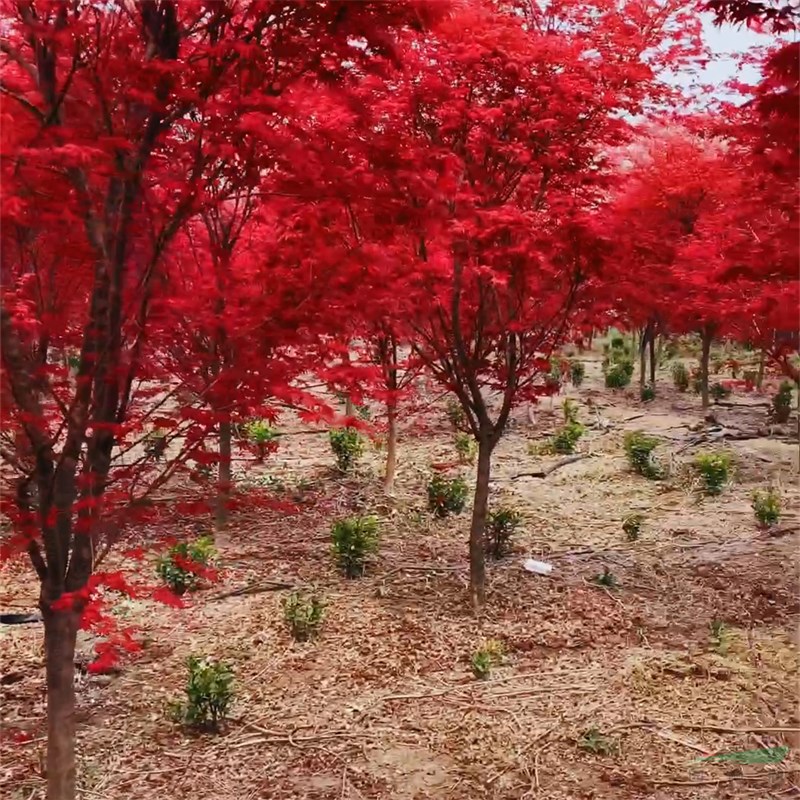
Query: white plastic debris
537	567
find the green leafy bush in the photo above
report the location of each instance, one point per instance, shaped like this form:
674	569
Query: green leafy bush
639	450
671	349
619	374
567	437
632	526
680	376
617	343
485	658
182	565
767	507
564	440
259	431
261	435
577	372
720	636
570	411
466	447
782	403
456	415
593	741
718	391
347	446
606	578
209	694
714	469
446	495
647	393
354	540
500	527
303	614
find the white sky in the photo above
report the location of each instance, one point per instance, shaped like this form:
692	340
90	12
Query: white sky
728	43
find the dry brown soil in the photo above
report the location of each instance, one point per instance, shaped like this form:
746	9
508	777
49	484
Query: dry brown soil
384	705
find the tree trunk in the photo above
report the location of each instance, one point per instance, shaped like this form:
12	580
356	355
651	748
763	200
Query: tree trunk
653	360
224	476
391	448
60	633
477	555
642	358
704	360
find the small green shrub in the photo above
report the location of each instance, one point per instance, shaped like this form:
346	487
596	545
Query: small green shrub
617	343
446	495
347	446
680	376
720	636
354	539
259	431
671	349
456	415
606	578
714	469
696	380
553	379
782	403
209	694
639	450
566	438
718	391
570	410
577	372
485	658
303	614
466	447
266	481
767	507
500	527
261	435
647	393
618	375
180	567
593	741
632	526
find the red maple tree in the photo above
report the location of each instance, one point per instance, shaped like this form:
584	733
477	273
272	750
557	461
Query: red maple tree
115	122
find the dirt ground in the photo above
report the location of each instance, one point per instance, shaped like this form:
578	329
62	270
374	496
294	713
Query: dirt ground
384	705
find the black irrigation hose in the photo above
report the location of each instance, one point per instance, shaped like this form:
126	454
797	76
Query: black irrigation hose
20	619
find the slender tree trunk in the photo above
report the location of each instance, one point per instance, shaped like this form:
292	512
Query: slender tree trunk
760	377
653	359
224	476
391	448
642	358
477	555
705	356
60	634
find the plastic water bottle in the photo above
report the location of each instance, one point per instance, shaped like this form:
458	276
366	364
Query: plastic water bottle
537	567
